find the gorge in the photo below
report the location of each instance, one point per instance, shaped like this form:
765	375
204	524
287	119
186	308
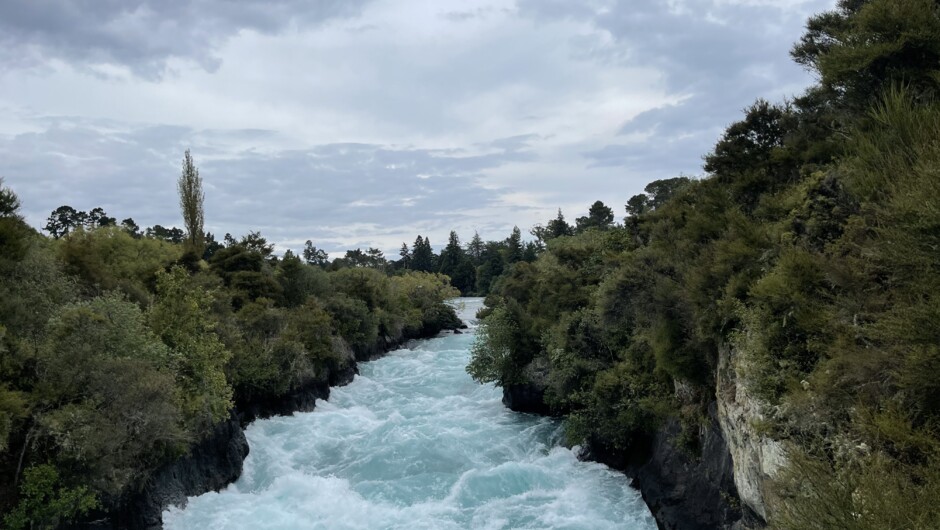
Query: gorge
413	442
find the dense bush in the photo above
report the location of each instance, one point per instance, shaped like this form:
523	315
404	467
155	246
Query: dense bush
809	250
118	350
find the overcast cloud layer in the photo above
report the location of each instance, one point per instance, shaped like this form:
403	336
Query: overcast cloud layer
363	123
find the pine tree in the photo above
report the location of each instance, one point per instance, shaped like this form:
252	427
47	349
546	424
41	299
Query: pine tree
475	249
514	246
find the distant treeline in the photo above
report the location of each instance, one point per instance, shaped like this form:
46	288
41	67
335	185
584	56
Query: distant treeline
472	267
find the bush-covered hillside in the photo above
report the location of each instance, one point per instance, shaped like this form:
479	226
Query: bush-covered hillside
809	252
119	350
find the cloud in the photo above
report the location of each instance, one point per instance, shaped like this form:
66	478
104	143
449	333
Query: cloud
366	122
716	57
143	35
339	195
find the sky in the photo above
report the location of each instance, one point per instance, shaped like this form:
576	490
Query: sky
358	123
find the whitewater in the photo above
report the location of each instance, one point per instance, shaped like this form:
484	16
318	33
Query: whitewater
414	443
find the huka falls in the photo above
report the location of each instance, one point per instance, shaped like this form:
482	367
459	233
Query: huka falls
414	443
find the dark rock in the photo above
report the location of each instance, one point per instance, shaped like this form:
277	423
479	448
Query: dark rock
682	490
300	399
526	397
213	463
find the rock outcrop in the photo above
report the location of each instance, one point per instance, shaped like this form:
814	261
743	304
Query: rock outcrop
213	463
757	458
526	397
721	484
683	490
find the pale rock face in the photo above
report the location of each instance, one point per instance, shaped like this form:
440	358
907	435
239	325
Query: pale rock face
757	458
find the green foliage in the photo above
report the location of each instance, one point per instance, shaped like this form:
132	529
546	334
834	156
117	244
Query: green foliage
299	281
107	400
599	217
315	256
15	235
119	350
491	356
862	48
422	256
324	354
809	252
245	271
192	197
866	491
31	289
181	317
109	258
625	401
416	299
353	321
367	285
13	408
46	503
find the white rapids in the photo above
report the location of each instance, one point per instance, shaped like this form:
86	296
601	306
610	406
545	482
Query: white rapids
414	443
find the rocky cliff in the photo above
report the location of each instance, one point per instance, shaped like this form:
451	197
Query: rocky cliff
756	458
723	483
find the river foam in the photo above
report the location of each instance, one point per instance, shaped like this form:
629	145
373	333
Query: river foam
414	443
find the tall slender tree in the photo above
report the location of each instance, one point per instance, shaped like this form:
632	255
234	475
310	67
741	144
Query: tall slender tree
475	249
452	256
514	246
422	256
558	227
191	204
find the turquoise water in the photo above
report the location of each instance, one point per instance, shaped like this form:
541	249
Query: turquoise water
414	443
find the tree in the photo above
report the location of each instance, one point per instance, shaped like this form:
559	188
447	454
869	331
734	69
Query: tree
63	220
375	258
212	246
475	249
514	246
182	318
558	227
255	242
131	227
531	251
97	218
14	233
172	235
637	205
191	204
9	202
100	361
314	255
493	265
865	46
356	258
298	281
748	144
451	256
45	502
491	355
422	256
599	216
405	261
660	191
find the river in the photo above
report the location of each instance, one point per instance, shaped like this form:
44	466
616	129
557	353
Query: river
414	443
